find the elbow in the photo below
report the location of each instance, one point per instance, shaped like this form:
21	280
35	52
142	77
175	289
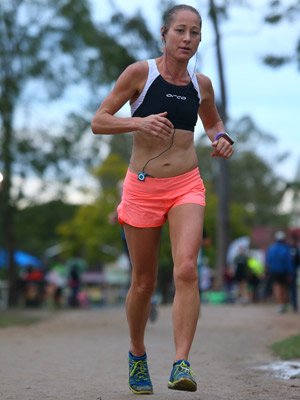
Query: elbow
95	127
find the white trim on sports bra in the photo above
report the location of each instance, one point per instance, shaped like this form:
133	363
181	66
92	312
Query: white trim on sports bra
153	73
194	81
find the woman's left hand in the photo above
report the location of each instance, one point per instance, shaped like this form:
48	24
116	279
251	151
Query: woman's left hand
222	148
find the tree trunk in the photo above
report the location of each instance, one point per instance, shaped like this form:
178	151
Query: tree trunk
223	177
7	210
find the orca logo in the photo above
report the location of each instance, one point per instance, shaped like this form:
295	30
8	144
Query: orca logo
176	96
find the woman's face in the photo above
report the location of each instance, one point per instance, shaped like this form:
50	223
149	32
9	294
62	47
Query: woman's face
183	36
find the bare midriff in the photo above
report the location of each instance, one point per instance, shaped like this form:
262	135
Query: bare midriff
179	158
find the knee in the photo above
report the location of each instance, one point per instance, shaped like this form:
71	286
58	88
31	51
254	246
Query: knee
186	273
143	288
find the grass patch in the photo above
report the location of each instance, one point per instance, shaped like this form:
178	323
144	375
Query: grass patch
14	318
287	349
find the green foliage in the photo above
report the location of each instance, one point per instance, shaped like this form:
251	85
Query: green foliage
121	145
13	318
88	233
91	230
277	13
3	274
288	349
50	45
240	220
255	190
41	43
165	259
136	32
110	172
276	61
36	225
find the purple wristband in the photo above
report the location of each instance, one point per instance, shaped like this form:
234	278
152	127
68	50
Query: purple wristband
225	136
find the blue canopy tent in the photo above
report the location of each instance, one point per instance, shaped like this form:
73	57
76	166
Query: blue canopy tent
22	259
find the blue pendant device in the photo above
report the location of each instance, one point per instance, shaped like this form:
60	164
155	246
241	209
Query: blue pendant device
141	176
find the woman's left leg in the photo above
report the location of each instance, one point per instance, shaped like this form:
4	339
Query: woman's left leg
186	226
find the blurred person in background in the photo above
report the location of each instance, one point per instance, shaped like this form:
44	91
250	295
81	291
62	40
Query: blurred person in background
56	281
205	276
295	254
74	286
279	268
33	282
255	275
240	276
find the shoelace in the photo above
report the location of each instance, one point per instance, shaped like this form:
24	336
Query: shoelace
184	368
140	370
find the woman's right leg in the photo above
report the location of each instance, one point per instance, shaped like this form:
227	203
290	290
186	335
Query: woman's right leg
143	246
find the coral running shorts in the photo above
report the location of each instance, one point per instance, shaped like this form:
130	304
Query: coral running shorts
146	204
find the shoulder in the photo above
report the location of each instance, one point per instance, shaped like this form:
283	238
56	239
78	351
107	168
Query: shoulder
204	82
204	79
133	76
205	86
136	70
131	80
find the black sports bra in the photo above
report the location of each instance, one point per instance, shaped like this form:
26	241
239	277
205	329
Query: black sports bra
158	95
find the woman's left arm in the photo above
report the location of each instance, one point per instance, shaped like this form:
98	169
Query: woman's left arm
211	119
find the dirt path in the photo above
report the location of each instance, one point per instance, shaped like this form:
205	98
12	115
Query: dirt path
82	355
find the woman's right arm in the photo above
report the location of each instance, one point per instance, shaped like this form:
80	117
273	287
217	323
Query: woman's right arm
127	87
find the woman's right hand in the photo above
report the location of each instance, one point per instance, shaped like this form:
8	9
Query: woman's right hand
157	125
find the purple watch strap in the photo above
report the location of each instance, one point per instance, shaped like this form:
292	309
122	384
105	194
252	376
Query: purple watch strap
225	136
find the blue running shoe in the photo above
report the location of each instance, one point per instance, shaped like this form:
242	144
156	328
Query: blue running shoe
182	377
139	378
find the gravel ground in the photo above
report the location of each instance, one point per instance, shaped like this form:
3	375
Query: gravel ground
82	355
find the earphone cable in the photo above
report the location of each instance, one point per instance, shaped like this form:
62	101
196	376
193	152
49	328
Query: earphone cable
160	154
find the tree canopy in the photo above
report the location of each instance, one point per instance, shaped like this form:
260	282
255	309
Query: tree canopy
280	12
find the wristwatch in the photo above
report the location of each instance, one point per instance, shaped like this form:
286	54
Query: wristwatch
225	136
